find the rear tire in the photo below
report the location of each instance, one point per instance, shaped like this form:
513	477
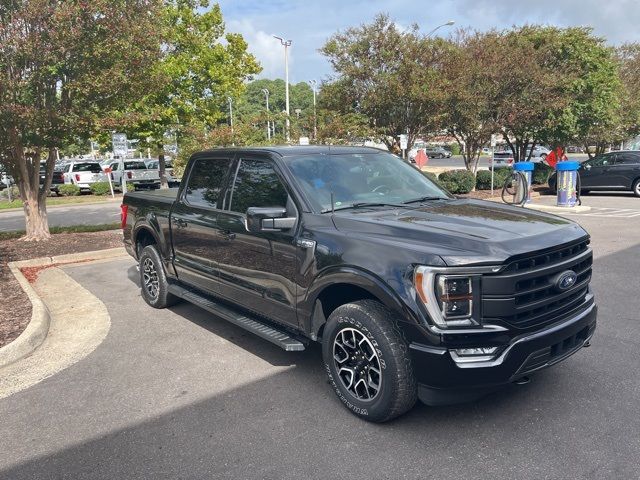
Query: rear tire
367	361
153	280
636	188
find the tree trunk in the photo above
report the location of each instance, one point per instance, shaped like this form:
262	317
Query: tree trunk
35	215
162	171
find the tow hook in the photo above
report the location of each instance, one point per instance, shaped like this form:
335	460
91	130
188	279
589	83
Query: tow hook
522	381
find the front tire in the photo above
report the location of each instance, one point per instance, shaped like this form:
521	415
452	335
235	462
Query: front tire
153	280
367	361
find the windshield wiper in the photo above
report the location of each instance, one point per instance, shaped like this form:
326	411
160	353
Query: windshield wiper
424	199
363	205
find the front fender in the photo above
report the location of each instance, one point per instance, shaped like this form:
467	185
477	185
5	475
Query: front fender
358	277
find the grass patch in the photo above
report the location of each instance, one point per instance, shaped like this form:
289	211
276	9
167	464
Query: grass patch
72	229
5	204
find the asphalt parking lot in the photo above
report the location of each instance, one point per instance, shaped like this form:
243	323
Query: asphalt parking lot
180	394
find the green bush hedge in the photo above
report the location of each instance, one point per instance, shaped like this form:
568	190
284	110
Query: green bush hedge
457	181
69	190
483	179
541	173
455	149
100	188
431	176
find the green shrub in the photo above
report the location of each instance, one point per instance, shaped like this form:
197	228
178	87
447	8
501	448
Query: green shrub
431	176
457	181
483	179
69	190
455	149
100	188
541	173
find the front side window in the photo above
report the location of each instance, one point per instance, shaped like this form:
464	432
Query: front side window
360	178
205	181
257	185
600	161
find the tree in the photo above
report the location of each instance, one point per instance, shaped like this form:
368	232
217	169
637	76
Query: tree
201	67
64	67
386	74
467	89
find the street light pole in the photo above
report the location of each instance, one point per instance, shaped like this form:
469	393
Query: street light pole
448	24
286	44
313	84
230	100
266	96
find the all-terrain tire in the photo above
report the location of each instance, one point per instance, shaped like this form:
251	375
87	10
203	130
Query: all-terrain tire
153	279
377	328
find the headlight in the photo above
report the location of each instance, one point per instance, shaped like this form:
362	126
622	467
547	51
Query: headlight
450	299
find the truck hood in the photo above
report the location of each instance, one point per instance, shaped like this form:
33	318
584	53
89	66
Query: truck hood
461	231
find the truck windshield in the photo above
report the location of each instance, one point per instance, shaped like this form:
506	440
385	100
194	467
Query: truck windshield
354	179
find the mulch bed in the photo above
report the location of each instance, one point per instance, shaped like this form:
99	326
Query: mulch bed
15	307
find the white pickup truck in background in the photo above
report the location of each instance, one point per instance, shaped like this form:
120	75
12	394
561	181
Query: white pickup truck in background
83	174
135	172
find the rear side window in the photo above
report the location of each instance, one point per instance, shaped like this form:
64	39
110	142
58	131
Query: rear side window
257	185
205	181
627	159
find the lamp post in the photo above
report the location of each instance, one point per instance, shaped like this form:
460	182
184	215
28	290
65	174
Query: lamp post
314	84
286	44
266	96
448	24
230	100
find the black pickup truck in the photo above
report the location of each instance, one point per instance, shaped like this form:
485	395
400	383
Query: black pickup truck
411	292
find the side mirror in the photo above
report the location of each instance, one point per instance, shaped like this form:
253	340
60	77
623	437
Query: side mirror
268	219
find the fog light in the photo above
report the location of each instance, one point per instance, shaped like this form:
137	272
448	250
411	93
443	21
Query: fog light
469	352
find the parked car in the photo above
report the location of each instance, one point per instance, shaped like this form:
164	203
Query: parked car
410	291
610	171
135	172
539	153
437	152
172	180
56	180
83	174
502	159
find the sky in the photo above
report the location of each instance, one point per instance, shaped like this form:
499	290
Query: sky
310	23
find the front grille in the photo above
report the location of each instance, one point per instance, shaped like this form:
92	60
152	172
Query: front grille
523	294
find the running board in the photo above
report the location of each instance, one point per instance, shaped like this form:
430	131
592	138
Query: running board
257	327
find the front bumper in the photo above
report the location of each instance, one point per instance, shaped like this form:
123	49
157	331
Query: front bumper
444	381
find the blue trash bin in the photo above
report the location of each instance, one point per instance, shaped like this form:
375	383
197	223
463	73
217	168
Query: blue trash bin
566	180
527	169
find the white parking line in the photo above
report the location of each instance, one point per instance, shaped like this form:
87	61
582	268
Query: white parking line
608	212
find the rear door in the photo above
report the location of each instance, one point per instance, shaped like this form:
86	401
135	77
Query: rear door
194	230
257	270
626	169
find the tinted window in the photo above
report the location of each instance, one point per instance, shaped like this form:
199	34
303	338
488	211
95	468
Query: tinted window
601	161
205	181
257	185
87	167
134	166
627	159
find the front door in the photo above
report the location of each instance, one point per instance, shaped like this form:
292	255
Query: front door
594	172
194	228
257	270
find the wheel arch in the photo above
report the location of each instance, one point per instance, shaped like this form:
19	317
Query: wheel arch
344	285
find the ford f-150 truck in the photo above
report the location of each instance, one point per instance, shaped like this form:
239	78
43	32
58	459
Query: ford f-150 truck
412	293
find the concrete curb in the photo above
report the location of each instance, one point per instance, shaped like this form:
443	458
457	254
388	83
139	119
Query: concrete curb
555	209
38	328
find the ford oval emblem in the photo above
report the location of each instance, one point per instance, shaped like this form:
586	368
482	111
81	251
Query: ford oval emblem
565	280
